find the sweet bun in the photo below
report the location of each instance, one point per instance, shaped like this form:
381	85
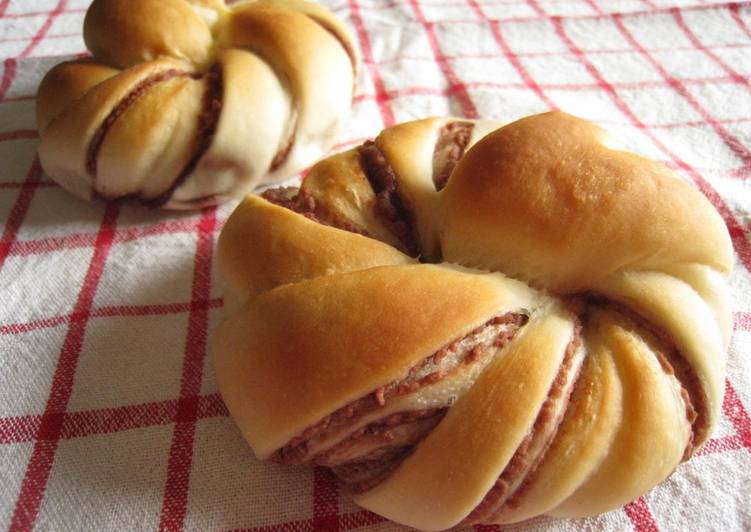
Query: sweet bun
187	103
562	355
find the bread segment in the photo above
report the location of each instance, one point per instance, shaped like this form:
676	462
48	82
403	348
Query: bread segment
546	201
340	183
676	307
458	476
409	149
582	440
164	137
64	147
123	33
66	83
284	38
231	164
652	418
294	354
260	234
325	19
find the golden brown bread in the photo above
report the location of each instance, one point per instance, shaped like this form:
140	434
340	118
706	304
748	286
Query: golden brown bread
571	380
323	362
186	103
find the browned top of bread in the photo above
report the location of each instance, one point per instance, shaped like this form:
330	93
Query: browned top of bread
581	213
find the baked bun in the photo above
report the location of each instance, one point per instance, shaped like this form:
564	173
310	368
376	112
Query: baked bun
186	103
562	355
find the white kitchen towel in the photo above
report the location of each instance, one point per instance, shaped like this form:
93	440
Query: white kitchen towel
109	413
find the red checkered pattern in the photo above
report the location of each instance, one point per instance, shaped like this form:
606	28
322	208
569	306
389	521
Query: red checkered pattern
109	414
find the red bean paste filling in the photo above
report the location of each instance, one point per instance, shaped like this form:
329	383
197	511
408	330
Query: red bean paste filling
304	203
389	205
387	441
207	125
453	139
394	439
546	425
139	90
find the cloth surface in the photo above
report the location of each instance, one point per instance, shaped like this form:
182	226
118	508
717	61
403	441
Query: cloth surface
109	413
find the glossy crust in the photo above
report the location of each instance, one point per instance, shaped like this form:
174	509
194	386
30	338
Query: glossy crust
251	104
620	267
275	344
263	246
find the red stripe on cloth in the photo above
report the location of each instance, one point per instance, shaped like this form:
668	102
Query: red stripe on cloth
742	321
720	445
303	525
48	435
457	88
38	13
359	519
48	37
350	521
722	172
540	14
529	83
735	12
44	323
573	87
109	420
211	406
681	22
79	240
325	501
486	528
19	429
18	134
640	515
109	311
594	6
546	53
536	7
37	39
157	310
22	184
9	74
735	145
19	210
175	502
734	410
3	7
25	97
382	98
737	233
511	56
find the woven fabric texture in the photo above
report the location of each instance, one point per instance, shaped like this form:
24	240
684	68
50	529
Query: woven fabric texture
109	413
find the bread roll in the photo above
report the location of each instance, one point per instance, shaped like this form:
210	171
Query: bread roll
188	103
562	355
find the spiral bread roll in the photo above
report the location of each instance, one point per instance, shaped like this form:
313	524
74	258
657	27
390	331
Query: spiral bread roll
562	354
186	103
